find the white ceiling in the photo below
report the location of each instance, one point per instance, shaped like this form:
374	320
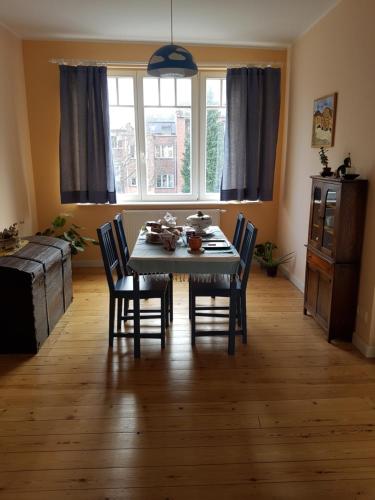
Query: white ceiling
233	22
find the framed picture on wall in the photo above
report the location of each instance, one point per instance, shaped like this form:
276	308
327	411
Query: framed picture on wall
324	118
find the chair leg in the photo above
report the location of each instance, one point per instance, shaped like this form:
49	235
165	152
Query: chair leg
243	318
112	307
232	318
170	297
136	313
119	313
126	308
163	313
238	311
192	301
166	312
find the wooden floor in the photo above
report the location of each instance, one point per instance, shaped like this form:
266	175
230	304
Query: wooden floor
288	417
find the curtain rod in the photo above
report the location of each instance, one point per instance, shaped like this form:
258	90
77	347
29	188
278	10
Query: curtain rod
143	64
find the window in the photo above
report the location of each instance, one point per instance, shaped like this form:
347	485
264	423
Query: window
163	150
123	135
165	181
214	130
132	181
167	135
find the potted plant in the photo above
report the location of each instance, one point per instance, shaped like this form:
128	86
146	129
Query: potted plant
326	172
71	234
264	255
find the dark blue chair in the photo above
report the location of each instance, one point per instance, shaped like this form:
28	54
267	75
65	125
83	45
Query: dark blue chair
121	288
220	286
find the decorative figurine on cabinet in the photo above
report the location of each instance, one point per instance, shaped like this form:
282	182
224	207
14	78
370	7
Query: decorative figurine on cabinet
341	171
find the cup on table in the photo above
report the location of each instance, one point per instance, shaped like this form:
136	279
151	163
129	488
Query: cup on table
189	232
195	242
169	241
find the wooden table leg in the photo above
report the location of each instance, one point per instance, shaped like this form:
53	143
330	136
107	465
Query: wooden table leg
137	325
232	315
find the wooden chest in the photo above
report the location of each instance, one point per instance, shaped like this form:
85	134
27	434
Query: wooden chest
35	291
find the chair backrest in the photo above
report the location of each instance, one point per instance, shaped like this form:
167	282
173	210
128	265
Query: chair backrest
246	254
109	253
122	243
237	236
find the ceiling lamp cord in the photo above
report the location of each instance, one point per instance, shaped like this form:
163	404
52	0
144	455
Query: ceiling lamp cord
171	22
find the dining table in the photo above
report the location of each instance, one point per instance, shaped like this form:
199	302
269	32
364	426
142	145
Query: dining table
150	258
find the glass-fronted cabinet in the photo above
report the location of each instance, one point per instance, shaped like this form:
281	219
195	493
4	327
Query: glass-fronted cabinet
323	218
316	221
333	253
329	218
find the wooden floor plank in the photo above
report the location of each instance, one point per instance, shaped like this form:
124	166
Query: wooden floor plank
317	490
288	417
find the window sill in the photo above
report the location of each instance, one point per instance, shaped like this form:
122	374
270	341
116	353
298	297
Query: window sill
191	203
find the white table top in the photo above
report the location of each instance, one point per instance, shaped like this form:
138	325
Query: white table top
150	258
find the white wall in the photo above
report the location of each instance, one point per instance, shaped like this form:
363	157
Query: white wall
17	198
336	55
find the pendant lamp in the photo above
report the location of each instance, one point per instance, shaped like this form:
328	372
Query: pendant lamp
172	60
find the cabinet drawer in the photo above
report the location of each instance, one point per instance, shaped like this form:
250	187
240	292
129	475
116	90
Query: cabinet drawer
320	263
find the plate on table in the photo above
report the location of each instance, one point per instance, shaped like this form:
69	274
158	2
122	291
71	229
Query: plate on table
216	245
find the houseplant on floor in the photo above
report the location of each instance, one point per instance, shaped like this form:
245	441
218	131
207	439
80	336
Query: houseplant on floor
264	255
71	234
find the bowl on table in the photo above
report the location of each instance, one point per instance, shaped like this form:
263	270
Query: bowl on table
199	222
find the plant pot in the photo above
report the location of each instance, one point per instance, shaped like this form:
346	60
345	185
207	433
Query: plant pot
271	271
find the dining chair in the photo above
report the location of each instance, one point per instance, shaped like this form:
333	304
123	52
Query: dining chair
121	287
237	235
238	230
125	255
220	286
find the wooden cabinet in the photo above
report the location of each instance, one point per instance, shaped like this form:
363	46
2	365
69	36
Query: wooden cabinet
333	253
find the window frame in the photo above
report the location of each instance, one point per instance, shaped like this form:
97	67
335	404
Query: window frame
198	140
204	75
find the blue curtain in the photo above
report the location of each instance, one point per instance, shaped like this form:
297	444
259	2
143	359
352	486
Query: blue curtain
86	167
253	106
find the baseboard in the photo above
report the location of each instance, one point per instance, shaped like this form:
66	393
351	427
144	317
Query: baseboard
367	350
87	263
291	277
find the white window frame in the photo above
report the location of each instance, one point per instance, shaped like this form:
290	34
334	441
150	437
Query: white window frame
204	75
120	72
198	140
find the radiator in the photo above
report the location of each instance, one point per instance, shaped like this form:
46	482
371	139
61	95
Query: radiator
134	219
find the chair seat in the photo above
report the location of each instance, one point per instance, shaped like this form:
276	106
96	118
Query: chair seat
206	284
148	285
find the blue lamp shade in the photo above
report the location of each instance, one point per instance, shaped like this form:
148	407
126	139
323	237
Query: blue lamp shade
172	61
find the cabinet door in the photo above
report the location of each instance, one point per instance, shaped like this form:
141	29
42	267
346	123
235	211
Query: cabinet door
316	221
311	293
323	302
329	219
